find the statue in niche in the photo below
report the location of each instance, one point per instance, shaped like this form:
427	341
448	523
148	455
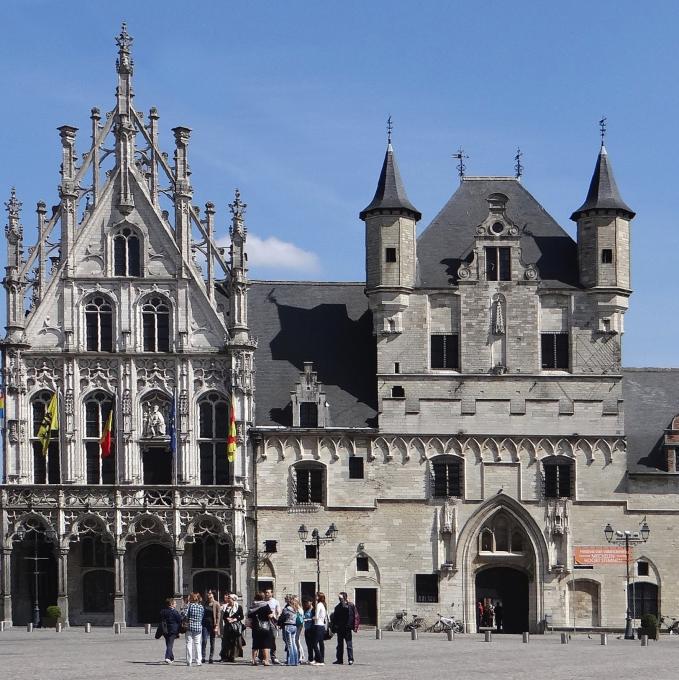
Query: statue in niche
154	422
499	318
447	517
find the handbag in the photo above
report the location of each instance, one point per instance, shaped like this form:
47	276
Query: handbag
328	634
184	625
159	631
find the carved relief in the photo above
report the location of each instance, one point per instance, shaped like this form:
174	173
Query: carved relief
42	373
99	373
156	373
210	374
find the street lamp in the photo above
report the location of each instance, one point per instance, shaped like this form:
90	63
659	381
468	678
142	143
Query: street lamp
626	538
316	539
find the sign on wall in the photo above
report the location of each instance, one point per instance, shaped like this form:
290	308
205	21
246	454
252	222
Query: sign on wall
600	554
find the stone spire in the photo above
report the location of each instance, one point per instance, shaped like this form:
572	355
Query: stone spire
13	282
124	129
238	313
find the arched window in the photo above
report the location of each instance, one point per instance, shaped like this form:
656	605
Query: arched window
502	534
447	476
98	406
95	553
98	591
308	483
99	324
46	467
156	324
126	253
517	542
208	552
559	477
213	412
487	540
501	531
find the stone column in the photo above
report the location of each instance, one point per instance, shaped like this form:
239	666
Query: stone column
62	590
178	571
6	586
119	614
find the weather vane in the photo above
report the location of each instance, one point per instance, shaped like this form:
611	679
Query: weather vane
602	129
460	155
390	127
518	166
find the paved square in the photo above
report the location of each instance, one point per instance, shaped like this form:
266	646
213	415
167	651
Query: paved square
72	655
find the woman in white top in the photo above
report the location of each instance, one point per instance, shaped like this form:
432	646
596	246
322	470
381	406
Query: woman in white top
320	625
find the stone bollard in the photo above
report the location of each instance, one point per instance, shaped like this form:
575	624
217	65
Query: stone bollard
564	638
526	637
378	633
451	634
604	639
88	627
116	628
29	628
147	628
488	636
413	634
59	624
2	626
644	640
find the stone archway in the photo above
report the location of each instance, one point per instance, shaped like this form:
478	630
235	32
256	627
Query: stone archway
509	587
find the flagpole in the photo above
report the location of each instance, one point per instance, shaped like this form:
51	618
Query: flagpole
175	453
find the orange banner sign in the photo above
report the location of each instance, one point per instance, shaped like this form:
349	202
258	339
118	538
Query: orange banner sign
600	554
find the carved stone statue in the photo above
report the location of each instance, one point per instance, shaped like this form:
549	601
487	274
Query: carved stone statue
447	517
154	423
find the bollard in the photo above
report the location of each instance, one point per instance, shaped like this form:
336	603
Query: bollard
147	628
526	637
88	627
489	636
564	638
29	628
116	628
451	634
413	634
644	640
58	626
378	633
2	626
604	639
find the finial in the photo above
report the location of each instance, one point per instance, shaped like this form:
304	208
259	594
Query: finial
13	206
124	41
602	129
390	128
518	166
460	155
237	208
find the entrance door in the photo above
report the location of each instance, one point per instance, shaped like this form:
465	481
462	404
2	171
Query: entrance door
509	587
366	603
154	581
216	581
157	466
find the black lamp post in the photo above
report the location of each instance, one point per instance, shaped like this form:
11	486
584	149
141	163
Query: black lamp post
36	573
626	538
316	539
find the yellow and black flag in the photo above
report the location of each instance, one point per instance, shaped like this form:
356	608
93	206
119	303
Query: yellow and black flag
50	422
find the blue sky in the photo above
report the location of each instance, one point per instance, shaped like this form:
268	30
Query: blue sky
288	101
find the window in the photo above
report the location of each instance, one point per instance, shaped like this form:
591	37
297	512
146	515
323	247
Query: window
559	480
213	419
502	534
554	348
99	325
356	467
426	588
398	392
46	468
98	591
310	552
208	553
126	253
606	256
498	263
642	568
309	484
444	351
642	598
308	414
95	553
397	367
390	255
487	541
447	477
99	470
156	325
362	564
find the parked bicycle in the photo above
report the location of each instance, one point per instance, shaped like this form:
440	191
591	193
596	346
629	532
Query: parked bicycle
446	623
398	623
416	623
671	623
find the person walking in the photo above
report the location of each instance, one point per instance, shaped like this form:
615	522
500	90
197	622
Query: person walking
261	622
288	624
170	620
309	629
345	621
232	629
194	618
210	625
320	626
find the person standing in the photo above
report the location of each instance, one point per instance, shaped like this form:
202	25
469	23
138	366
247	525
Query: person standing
299	625
309	629
288	624
210	625
320	626
170	620
345	621
498	616
194	617
232	629
261	622
276	609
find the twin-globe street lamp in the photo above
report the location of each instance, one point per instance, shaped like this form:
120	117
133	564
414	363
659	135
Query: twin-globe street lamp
316	539
626	538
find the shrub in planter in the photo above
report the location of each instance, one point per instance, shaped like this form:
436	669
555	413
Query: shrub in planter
649	626
52	615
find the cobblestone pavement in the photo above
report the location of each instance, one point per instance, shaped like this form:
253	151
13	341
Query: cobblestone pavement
73	654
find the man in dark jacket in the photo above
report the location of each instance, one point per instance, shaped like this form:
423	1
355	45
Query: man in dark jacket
345	621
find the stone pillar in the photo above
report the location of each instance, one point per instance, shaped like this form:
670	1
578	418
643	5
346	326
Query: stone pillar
6	586
178	571
119	614
62	586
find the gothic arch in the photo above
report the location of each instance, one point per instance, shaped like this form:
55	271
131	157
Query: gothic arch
350	574
205	524
30	522
146	525
88	523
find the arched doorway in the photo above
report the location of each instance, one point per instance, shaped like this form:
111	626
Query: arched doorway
154	581
509	587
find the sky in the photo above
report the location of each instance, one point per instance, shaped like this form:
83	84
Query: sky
288	101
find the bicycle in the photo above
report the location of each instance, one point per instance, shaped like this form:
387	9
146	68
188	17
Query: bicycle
446	623
672	626
416	623
398	622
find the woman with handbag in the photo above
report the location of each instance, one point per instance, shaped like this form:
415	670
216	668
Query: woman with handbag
262	624
320	628
232	629
170	620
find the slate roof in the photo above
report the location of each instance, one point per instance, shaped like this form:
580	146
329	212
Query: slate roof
603	192
391	194
651	401
448	240
326	323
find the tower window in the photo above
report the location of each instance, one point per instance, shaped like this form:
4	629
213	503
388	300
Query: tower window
445	351
390	255
156	325
554	350
308	414
99	325
126	253
606	256
356	467
398	392
498	263
558	478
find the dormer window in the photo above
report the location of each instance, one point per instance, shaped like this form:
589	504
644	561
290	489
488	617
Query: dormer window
497	228
309	405
498	263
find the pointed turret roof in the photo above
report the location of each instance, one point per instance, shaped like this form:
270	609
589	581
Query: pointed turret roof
603	192
390	194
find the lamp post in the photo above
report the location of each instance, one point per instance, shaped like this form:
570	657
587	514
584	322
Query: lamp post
627	538
36	573
316	539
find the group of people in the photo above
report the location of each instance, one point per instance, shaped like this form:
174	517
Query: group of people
203	620
490	615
